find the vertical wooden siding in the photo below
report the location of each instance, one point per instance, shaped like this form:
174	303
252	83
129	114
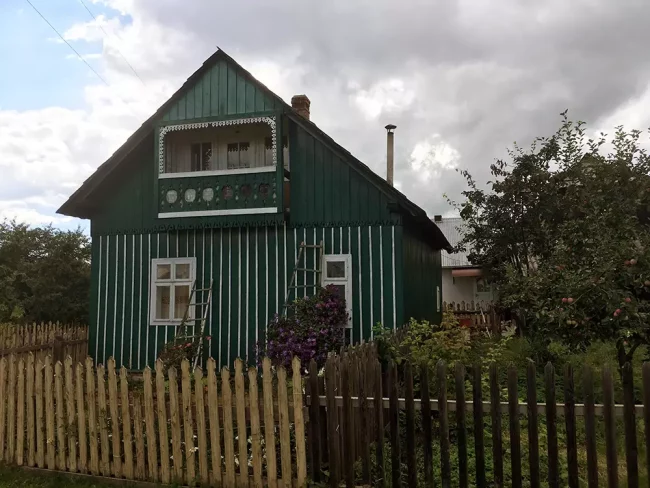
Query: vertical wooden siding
222	90
327	190
250	269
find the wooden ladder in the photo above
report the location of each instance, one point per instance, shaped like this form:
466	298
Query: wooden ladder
181	334
317	272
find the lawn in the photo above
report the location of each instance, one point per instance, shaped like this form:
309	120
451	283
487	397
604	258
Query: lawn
15	478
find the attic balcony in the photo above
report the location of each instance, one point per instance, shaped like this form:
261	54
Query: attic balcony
227	167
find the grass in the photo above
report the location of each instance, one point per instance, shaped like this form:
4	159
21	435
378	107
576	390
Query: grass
19	478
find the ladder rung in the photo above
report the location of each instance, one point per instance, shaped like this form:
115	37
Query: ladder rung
202	289
203	303
312	246
307	269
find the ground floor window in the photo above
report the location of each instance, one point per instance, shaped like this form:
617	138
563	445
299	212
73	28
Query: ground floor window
171	287
337	271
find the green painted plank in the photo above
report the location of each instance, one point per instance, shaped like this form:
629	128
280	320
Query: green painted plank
232	91
367	283
345	190
207	86
214	90
399	275
250	98
223	89
319	172
356	264
198	97
189	103
182	105
387	258
127	298
307	175
377	278
144	331
95	307
241	94
260	98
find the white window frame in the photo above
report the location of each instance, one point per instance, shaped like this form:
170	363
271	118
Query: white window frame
172	283
347	281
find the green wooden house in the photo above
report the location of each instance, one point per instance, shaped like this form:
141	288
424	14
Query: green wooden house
217	190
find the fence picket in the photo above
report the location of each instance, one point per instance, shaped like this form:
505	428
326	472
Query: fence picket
427	428
299	424
31	427
610	429
533	428
228	428
104	445
174	415
479	446
240	410
213	414
49	413
140	463
3	405
314	422
332	423
161	410
412	477
445	463
495	410
365	421
201	426
150	426
379	419
11	412
590	429
570	423
346	425
60	416
285	438
20	414
551	427
126	424
394	427
115	418
631	452
188	424
256	433
515	429
91	400
71	415
81	419
461	428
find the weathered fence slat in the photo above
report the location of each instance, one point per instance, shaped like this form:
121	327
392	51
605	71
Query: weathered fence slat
495	410
213	416
30	396
533	427
104	445
81	419
91	400
150	426
161	411
646	414
332	423
631	452
379	419
175	417
3	406
60	416
140	457
188	425
269	434
240	411
10	445
445	443
610	429
364	422
115	419
285	435
551	427
20	414
314	422
71	418
570	423
394	427
479	446
126	424
461	428
256	431
228	428
412	475
515	429
201	427
49	413
299	426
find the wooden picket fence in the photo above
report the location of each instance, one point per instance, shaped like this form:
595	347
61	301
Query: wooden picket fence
476	315
359	399
212	429
44	339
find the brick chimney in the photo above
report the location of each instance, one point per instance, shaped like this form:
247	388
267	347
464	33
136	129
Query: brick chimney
300	103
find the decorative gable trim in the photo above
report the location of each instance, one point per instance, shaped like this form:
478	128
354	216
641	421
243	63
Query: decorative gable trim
270	120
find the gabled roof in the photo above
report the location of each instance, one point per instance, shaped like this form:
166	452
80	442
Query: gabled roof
80	203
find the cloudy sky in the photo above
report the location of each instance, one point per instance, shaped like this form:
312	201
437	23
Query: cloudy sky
461	79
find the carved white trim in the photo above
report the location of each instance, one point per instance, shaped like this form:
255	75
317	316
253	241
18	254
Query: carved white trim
212	213
270	120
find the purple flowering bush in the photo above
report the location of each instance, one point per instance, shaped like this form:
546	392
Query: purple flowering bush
315	326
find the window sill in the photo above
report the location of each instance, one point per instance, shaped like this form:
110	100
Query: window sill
219	172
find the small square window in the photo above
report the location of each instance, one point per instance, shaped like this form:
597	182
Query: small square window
183	271
164	272
336	269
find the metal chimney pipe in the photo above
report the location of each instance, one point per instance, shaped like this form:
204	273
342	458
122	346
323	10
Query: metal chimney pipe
390	152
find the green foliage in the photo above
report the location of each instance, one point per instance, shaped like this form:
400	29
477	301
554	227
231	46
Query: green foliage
44	274
563	232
